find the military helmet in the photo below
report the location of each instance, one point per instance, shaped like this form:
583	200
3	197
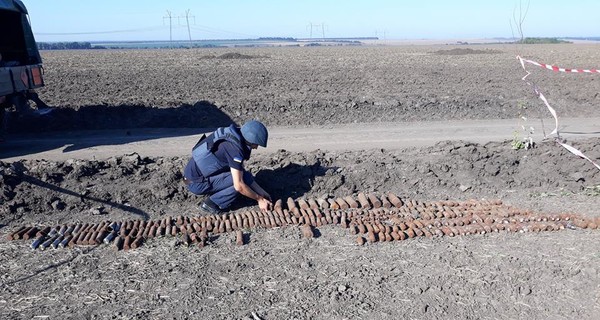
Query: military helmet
255	132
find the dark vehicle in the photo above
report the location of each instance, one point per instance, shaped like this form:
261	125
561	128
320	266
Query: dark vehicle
20	63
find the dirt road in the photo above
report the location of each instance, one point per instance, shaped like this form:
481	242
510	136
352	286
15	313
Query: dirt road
101	144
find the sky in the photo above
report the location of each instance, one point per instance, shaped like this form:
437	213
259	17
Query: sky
130	20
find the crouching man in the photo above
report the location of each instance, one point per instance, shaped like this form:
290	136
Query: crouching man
217	167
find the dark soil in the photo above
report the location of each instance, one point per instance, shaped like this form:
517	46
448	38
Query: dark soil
278	274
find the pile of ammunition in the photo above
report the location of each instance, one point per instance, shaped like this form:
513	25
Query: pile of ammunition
379	218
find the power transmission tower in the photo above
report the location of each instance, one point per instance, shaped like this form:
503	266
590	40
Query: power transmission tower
316	28
168	16
187	21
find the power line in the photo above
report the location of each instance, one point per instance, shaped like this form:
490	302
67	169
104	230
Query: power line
99	32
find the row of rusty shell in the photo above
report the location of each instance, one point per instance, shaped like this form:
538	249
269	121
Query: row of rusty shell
407	215
306	212
372	201
380	233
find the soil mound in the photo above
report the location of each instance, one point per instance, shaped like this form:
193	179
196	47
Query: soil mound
464	51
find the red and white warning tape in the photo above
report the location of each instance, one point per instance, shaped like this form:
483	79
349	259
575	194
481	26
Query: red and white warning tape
552	111
558	69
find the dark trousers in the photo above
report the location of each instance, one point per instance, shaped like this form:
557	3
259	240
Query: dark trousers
220	188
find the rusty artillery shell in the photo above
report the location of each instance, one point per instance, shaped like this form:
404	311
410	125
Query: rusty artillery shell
239	238
21	233
127	243
307	231
140	230
303	204
141	226
394	200
371	237
136	243
360	240
402	226
160	231
341	203
333	204
385	202
381	236
312	203
278	205
580	223
388	236
330	219
146	229
228	225
410	232
194	237
351	202
487	228
427	233
196	227
361	228
22	230
344	221
418	232
362	199
152	231
272	222
291	204
447	231
376	203
43	232
92	239
118	244
395	235
79	238
85	237
100	237
125	228
203	236
323	203
403	235
30	234
239	220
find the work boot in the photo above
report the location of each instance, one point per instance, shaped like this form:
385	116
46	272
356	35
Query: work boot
209	207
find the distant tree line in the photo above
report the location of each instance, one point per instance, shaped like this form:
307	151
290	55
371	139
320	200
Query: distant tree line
541	40
66	46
